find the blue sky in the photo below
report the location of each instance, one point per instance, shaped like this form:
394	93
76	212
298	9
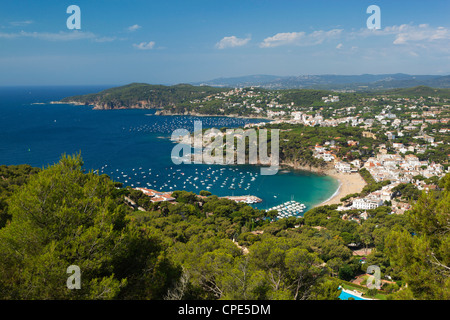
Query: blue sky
170	42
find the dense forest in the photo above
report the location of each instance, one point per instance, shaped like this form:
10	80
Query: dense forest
310	98
205	247
419	91
141	95
298	142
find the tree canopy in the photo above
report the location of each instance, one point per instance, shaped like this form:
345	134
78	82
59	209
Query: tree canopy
204	247
65	217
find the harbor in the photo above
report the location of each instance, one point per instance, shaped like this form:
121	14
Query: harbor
289	209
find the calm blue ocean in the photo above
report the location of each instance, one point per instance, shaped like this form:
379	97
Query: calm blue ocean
133	147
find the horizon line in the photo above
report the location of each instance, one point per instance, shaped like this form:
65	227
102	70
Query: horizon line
196	82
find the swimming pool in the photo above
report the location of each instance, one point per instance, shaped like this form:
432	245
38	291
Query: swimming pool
345	295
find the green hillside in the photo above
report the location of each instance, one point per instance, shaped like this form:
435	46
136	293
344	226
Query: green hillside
419	91
142	95
310	97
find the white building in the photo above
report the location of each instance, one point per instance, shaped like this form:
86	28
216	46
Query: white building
342	167
296	115
356	163
366	204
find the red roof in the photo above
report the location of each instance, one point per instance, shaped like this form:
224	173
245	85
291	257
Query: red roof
157	196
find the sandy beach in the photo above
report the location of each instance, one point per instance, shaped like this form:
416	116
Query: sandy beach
348	183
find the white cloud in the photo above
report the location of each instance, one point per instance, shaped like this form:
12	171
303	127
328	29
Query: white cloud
4	35
339	46
423	33
21	23
320	36
282	39
231	42
409	34
134	27
300	38
48	36
105	39
60	36
144	45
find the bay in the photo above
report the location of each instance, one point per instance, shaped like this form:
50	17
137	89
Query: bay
134	147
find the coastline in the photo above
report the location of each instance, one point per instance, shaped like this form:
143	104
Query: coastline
348	183
161	112
195	114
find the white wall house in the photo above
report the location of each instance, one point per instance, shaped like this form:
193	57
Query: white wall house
366	204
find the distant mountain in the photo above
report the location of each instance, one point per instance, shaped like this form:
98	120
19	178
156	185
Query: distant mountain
363	82
245	81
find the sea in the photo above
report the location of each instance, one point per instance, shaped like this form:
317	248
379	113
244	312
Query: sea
134	147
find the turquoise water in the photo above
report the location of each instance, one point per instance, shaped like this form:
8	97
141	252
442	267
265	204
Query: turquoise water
345	296
134	147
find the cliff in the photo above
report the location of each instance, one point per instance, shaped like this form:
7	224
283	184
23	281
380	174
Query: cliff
302	165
